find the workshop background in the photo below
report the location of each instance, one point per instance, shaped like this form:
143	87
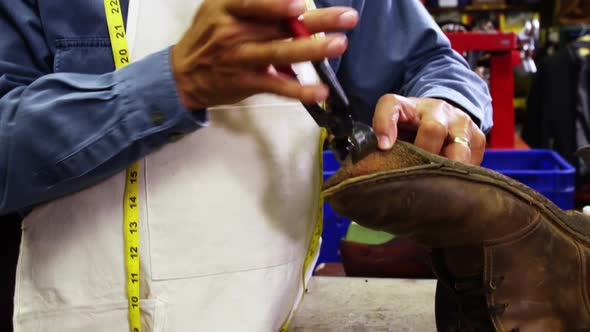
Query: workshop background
534	54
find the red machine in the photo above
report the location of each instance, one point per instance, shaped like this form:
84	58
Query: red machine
505	56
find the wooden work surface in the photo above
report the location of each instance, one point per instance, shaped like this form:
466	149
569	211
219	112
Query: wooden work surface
342	304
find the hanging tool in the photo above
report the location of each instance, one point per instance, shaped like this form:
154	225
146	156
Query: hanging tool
346	137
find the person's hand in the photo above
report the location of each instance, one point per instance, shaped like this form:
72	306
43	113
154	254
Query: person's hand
431	124
225	56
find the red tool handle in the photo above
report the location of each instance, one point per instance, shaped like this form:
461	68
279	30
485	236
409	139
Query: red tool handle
298	28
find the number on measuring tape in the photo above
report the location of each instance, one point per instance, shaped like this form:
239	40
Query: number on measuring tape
131	202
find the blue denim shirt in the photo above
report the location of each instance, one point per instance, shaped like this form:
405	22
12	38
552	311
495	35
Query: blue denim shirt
68	120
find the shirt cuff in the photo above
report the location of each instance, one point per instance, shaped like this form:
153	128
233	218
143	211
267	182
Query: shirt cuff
149	91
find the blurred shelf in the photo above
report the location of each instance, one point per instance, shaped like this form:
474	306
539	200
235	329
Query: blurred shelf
485	8
520	103
471	41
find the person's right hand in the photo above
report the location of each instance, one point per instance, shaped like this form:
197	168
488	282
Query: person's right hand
224	56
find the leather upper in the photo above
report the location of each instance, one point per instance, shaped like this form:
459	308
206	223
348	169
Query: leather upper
528	257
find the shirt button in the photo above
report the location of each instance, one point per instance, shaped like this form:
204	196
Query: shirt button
157	118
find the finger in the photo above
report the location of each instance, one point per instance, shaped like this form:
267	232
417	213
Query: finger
387	113
458	150
392	113
266	9
432	134
331	19
478	145
459	127
247	31
281	52
284	86
320	20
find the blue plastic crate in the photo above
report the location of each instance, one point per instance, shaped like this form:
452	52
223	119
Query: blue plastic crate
335	227
543	170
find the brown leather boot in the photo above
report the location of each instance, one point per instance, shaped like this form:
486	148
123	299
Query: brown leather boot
507	258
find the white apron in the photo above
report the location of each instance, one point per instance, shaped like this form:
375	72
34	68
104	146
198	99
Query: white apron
227	215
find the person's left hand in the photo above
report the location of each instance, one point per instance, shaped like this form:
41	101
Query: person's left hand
431	124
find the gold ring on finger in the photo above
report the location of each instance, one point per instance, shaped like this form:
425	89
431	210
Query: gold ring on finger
462	140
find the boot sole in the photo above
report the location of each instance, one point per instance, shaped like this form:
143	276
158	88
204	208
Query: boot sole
571	222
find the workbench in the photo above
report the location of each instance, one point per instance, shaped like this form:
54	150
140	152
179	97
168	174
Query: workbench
343	304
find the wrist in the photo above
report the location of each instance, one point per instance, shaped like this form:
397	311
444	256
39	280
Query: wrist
183	84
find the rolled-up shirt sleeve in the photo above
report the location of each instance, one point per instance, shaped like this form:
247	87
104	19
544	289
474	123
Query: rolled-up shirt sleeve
63	132
435	70
398	48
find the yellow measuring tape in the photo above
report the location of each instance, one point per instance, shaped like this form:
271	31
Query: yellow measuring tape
318	229
317	233
121	57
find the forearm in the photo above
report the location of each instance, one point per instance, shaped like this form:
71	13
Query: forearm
398	48
64	132
439	72
434	70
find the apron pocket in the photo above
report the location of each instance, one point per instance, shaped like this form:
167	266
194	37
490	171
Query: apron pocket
92	318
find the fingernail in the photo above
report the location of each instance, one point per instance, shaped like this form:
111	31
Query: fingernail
384	142
348	17
296	8
336	44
